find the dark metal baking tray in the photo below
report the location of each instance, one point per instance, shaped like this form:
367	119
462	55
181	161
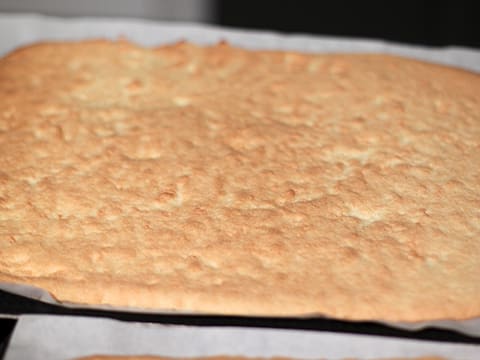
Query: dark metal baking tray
16	305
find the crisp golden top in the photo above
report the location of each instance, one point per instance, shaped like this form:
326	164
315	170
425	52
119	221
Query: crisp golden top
220	180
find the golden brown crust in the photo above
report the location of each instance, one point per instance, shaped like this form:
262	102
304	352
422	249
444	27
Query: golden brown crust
227	181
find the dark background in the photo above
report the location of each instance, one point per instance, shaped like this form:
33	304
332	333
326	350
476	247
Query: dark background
434	23
414	22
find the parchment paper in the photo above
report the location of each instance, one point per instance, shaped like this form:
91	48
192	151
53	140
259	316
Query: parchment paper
21	29
40	337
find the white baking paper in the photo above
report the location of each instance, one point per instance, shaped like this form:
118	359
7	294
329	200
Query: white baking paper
469	327
22	29
40	337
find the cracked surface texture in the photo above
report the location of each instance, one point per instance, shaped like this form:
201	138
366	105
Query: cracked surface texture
219	180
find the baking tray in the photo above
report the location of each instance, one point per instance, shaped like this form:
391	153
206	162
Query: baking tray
21	29
6	329
14	305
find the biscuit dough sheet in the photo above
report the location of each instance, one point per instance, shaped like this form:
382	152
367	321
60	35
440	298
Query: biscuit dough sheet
64	337
25	29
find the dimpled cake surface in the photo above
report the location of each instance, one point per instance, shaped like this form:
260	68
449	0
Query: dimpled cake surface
227	181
